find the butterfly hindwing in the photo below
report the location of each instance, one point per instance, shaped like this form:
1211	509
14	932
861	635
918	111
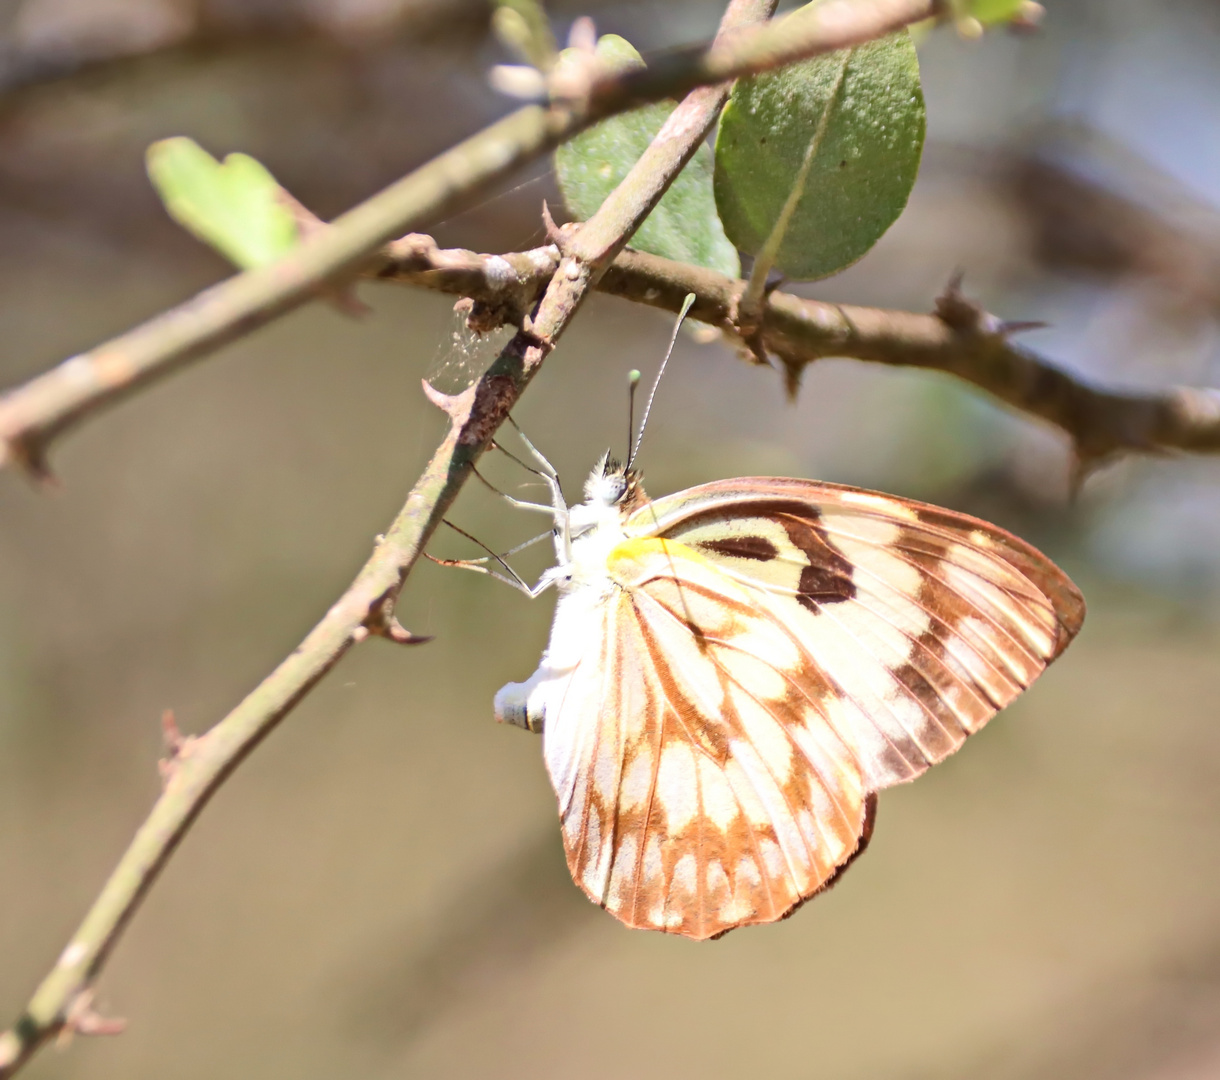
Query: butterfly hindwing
708	793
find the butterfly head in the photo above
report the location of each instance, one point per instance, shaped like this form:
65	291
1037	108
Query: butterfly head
613	484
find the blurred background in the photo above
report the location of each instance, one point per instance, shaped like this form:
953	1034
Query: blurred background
380	891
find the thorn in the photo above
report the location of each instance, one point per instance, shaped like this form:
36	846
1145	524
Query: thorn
1082	465
770	286
29	455
177	748
346	302
750	347
447	403
793	370
400	635
82	1019
1008	328
954	309
958	312
554	233
170	733
382	622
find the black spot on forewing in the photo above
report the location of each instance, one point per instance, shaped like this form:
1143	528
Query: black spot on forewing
758	548
825	585
826	577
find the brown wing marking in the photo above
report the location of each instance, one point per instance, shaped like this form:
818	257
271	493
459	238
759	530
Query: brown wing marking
767	663
706	830
973	614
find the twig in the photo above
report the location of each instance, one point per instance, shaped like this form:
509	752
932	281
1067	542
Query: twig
192	778
33	414
978	350
366	607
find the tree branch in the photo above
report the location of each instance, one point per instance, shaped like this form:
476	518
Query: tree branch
196	770
35	413
959	339
973	346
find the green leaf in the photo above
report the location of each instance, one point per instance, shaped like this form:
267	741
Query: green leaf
684	225
850	125
235	206
522	26
990	11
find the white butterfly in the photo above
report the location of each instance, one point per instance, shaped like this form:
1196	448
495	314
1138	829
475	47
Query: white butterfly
735	670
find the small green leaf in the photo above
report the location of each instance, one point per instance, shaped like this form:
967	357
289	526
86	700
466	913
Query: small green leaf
522	26
684	225
989	12
235	206
851	124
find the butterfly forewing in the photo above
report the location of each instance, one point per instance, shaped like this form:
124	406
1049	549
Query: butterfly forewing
924	622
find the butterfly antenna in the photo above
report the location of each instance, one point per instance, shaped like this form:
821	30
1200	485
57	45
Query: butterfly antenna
633	381
686	306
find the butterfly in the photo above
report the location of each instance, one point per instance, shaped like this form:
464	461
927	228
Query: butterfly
736	670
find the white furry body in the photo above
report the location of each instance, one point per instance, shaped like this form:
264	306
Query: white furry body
585	534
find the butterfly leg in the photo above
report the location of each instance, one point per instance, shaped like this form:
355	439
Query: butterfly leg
559	506
515	579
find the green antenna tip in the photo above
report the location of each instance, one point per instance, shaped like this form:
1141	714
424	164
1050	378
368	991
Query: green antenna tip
633	377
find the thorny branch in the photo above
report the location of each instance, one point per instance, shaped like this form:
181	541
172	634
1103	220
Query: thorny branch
33	414
194	773
958	339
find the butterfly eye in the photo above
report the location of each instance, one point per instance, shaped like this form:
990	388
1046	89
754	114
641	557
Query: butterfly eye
607	485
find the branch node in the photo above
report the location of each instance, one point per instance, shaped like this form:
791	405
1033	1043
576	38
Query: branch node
413	252
746	318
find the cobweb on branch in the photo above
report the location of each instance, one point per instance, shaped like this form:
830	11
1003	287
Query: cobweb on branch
462	356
